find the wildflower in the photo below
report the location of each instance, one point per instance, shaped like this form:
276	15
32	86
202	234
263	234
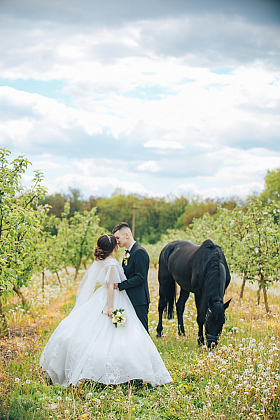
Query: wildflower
27	381
89	395
67	399
17	380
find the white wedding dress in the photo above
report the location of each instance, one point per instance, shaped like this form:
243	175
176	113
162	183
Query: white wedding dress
87	345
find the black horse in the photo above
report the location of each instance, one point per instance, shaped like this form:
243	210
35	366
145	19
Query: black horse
202	270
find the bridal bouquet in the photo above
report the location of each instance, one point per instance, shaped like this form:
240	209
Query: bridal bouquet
118	318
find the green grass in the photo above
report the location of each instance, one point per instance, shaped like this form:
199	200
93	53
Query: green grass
238	380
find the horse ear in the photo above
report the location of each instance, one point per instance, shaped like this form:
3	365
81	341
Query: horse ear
227	304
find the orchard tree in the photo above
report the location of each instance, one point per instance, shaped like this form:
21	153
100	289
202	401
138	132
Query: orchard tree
19	222
82	233
262	243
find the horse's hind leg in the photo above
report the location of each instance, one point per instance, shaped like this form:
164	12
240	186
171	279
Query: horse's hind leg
161	306
165	283
180	307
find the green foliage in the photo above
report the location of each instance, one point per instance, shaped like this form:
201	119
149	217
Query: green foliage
152	216
272	187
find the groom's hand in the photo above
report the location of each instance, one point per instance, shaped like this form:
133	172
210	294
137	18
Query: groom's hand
115	285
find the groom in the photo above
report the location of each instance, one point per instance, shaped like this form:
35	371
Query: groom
135	266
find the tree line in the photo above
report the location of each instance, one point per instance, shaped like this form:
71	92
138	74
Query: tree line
153	215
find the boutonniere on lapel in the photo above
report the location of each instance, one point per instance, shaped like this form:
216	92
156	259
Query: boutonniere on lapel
126	258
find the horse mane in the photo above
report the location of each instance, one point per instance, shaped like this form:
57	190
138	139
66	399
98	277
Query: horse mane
211	282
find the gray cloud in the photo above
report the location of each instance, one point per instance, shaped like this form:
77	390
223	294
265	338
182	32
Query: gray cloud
118	12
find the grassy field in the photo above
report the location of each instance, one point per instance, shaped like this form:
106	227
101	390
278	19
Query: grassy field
238	380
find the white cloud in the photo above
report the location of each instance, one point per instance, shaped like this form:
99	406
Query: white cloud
150	166
242	191
95	185
161	89
162	144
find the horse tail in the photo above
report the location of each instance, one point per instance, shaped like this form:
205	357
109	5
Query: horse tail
170	299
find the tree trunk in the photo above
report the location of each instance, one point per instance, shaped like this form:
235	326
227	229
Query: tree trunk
85	265
43	282
259	295
242	286
77	272
3	321
20	295
79	265
67	272
265	297
58	278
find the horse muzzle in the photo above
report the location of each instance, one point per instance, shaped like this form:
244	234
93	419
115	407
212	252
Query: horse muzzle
212	340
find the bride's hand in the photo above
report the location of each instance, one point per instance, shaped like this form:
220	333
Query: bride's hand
110	313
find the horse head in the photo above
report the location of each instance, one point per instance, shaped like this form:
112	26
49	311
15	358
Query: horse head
214	321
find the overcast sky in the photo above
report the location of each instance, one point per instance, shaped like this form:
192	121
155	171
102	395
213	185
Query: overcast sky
154	97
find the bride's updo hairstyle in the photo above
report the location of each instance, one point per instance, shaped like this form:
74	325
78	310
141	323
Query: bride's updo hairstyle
105	246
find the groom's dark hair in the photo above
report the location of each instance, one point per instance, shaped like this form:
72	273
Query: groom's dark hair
119	226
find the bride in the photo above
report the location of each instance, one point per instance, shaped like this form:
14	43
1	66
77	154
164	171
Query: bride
87	345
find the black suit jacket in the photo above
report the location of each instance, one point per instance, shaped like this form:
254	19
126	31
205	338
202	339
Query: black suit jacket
136	272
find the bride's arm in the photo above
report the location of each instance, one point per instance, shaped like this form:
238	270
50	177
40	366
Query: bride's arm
110	298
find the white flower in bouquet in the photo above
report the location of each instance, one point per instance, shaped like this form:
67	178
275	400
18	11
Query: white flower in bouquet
118	318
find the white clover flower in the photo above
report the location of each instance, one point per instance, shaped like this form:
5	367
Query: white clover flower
17	380
27	381
59	398
89	395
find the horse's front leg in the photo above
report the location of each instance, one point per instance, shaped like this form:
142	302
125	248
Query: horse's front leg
180	307
200	320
